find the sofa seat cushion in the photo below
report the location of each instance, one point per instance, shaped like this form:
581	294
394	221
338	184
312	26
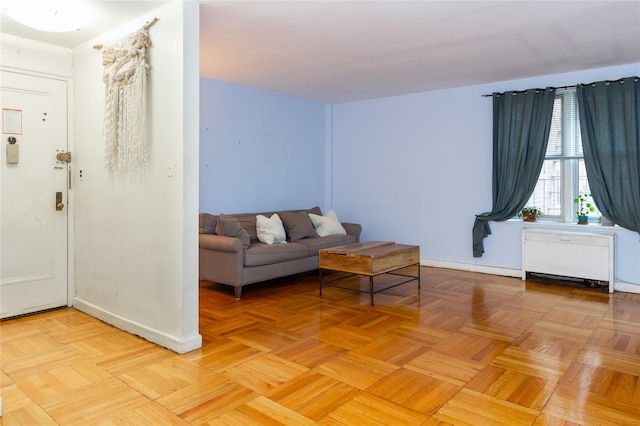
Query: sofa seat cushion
315	244
265	254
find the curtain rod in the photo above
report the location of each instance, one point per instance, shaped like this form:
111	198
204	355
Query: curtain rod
568	87
146	26
526	90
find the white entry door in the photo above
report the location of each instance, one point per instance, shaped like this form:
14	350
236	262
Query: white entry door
34	204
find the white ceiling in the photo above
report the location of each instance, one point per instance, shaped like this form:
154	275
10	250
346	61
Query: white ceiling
338	51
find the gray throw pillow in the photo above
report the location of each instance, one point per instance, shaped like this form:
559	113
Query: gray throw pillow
230	227
298	225
208	223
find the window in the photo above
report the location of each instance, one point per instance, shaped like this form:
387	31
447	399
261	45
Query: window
563	173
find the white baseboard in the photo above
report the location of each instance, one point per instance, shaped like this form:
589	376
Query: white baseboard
150	334
509	272
472	267
626	287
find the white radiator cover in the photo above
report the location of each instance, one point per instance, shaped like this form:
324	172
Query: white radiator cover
587	255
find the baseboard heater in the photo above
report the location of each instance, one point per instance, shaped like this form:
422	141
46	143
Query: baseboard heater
586	255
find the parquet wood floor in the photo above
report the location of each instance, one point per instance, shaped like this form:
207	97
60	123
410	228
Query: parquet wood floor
467	349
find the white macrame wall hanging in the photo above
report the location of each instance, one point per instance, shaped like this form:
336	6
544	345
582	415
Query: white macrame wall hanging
125	77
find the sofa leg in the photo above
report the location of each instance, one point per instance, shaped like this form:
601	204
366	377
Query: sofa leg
238	292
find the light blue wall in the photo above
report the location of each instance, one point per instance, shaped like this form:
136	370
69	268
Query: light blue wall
259	151
414	174
424	171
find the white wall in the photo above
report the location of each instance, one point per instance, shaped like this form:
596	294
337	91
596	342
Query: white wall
35	57
424	172
136	241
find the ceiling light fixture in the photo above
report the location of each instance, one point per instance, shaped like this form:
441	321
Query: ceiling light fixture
48	15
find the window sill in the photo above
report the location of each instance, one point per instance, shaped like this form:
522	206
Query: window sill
591	227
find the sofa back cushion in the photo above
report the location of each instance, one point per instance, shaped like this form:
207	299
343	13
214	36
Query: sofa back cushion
208	222
248	222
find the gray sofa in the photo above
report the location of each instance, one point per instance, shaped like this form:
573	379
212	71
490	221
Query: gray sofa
229	256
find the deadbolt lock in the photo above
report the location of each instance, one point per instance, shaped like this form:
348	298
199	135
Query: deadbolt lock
59	203
64	157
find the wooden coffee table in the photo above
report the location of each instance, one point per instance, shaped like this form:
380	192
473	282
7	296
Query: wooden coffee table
371	258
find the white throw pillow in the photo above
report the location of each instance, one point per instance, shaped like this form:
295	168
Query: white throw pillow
270	230
327	224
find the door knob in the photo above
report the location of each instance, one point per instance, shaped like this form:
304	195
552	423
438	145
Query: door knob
59	206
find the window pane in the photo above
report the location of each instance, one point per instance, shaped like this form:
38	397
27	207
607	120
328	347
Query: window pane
572	141
564	136
548	192
554	147
583	182
583	186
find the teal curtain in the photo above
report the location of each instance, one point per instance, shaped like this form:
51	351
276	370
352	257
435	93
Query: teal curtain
609	116
521	125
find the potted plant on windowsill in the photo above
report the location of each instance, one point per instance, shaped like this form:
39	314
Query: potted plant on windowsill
530	214
585	207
